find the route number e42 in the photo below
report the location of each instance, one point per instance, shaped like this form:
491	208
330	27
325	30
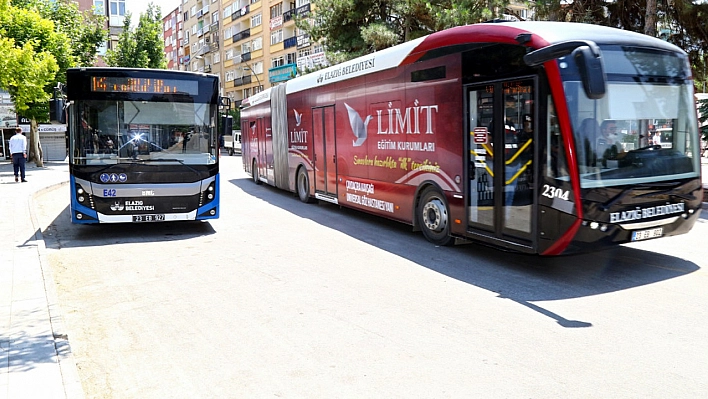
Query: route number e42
555	192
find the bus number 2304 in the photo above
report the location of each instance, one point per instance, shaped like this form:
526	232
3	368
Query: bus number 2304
555	192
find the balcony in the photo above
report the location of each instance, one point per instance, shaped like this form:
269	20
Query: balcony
214	27
241	35
290	42
302	11
240	13
245	57
207	68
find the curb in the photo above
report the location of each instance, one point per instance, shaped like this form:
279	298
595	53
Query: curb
67	364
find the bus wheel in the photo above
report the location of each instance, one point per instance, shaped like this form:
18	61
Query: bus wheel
433	217
303	186
254	172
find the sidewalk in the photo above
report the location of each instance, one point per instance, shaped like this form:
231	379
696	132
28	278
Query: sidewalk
35	356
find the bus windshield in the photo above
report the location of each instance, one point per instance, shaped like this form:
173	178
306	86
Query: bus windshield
111	132
643	129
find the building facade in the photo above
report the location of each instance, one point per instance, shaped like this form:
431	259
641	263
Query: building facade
251	44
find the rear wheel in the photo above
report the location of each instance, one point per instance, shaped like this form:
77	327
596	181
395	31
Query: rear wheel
254	172
433	217
231	151
303	185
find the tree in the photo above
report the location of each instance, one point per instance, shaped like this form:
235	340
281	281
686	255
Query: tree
142	48
351	28
703	118
33	53
43	39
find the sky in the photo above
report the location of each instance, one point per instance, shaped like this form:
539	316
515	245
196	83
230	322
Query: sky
136	7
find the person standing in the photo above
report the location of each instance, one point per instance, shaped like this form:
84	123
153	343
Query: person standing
18	149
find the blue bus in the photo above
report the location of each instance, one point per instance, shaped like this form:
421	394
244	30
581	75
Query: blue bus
143	145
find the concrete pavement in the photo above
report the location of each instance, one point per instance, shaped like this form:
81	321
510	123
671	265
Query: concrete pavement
35	355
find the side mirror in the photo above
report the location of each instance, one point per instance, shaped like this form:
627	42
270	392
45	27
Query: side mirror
587	56
592	72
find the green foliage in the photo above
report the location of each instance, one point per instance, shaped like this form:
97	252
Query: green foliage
351	28
703	119
33	53
142	48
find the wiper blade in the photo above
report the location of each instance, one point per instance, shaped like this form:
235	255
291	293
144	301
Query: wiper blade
672	192
607	205
181	162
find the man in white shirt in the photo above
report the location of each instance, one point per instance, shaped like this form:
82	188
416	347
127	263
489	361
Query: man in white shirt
18	149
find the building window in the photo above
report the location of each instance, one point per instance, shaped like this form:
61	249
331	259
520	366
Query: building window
217	58
227	12
276	36
99	7
246	48
257	44
118	7
291	58
276	62
215	17
276	10
302	2
255	20
258	67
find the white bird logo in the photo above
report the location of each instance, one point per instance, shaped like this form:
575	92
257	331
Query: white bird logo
358	125
298	117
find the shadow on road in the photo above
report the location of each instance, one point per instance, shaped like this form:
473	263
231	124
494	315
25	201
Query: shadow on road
518	277
79	235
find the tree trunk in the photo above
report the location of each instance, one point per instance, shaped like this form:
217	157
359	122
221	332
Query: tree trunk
35	150
650	19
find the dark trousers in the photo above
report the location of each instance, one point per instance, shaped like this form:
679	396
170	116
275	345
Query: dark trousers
18	164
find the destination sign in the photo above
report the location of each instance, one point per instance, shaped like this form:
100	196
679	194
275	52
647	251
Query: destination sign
113	84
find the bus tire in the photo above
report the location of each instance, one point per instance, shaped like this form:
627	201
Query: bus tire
303	185
433	217
254	172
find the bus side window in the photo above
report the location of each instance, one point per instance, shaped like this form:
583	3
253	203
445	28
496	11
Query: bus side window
556	164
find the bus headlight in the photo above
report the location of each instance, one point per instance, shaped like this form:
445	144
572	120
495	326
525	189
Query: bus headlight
81	198
208	194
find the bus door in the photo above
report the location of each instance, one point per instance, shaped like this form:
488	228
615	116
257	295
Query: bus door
501	120
325	152
262	148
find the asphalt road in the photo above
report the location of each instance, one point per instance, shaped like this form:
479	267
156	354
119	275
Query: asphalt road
283	299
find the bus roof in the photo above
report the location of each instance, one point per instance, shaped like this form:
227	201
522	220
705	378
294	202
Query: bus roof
542	34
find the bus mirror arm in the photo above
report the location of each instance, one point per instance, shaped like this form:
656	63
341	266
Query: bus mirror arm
587	56
558	50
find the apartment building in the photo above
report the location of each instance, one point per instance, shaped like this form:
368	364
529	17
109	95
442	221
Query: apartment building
251	44
114	10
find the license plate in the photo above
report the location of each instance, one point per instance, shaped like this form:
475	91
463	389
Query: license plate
647	234
149	218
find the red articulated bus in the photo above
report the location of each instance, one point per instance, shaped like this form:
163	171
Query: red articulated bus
530	136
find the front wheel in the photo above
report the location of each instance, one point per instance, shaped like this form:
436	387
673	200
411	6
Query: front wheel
433	217
303	186
254	172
